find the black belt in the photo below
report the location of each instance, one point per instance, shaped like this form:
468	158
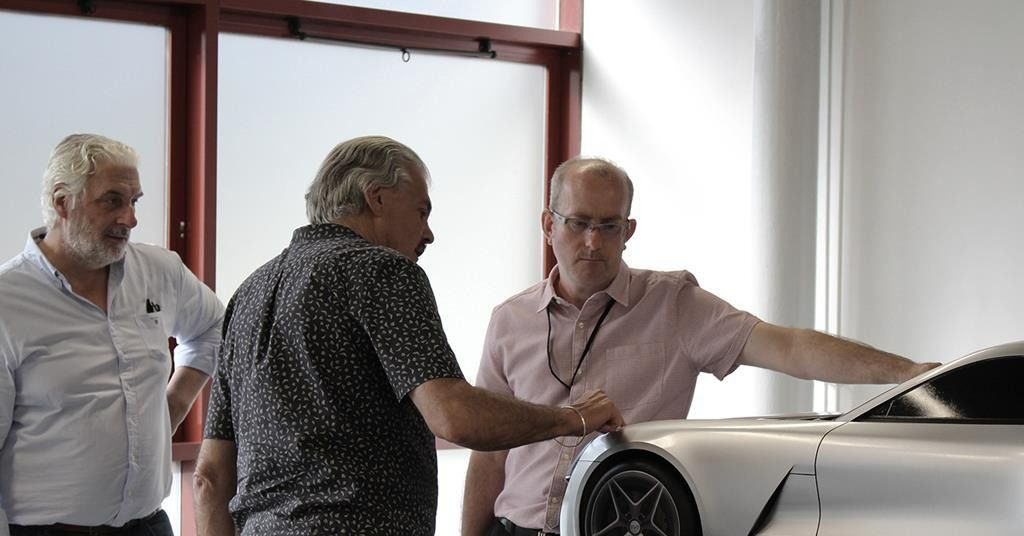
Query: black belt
99	529
516	530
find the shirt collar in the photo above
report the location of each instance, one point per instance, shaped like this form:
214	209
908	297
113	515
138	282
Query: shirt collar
618	290
316	231
36	256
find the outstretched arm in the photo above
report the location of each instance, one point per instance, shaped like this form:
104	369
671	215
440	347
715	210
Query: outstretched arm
813	355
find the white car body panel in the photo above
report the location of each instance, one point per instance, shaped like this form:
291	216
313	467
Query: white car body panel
835	475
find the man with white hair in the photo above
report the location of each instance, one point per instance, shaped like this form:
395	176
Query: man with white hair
86	410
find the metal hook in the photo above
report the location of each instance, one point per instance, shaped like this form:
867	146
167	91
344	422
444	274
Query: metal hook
406	55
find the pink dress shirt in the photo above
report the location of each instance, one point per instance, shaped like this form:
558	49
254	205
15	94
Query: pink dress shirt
662	330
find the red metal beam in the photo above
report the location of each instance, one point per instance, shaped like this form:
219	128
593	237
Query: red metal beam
157	14
178	133
201	149
200	41
409	24
321	31
564	123
570	16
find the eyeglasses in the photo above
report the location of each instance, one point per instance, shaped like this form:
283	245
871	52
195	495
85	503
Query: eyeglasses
578	226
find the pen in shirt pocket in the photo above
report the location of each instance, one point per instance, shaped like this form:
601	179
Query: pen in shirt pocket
152	307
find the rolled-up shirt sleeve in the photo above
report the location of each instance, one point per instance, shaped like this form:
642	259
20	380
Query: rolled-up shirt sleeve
197	327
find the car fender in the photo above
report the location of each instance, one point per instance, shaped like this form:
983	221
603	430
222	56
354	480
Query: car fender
732	467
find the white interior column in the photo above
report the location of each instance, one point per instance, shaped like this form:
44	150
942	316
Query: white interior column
785	140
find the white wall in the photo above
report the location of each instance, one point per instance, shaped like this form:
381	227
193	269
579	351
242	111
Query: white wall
932	176
668	93
924	147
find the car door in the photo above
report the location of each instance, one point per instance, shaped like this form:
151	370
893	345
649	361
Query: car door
946	457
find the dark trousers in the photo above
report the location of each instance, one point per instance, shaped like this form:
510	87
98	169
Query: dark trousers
503	527
156	524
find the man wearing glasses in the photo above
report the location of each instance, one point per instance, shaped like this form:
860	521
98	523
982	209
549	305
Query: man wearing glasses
641	336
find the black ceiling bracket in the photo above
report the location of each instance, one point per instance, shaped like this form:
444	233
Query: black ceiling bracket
295	28
87	7
483	46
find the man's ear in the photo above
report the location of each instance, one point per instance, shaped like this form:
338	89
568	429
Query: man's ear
61	203
629	231
374	197
545	224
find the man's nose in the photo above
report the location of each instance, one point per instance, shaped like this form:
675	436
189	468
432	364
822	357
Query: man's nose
592	238
428	235
128	218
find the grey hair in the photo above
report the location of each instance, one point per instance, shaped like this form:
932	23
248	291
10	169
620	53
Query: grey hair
352	168
71	163
602	167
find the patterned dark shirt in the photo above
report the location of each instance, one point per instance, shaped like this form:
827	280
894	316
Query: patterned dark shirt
321	346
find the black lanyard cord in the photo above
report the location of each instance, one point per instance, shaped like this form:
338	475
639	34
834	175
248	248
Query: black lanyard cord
586	349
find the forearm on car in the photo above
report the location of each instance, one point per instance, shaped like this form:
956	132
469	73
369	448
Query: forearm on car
482	420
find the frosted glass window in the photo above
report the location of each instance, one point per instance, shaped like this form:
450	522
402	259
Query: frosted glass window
531	13
478	124
62	75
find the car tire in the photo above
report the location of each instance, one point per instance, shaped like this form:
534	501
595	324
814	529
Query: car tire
636	497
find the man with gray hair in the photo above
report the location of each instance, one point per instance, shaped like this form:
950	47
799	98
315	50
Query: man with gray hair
335	372
86	410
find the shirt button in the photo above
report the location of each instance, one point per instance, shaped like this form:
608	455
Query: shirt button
554	500
582	325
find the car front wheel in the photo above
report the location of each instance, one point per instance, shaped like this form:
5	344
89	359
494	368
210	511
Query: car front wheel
639	497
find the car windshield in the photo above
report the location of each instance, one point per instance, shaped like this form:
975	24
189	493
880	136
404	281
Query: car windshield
983	391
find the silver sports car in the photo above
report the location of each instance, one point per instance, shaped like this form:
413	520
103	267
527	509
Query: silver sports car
942	453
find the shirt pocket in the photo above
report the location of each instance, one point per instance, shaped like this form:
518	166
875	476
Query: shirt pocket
151	331
635	374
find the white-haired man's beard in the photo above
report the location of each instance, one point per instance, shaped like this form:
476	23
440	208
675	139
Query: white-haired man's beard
89	246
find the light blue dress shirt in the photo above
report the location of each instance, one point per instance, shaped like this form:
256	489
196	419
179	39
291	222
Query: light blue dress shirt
85	434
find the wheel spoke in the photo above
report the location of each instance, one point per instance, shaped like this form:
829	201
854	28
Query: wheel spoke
627	507
632	508
652	501
657	530
635	501
608	530
614	490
